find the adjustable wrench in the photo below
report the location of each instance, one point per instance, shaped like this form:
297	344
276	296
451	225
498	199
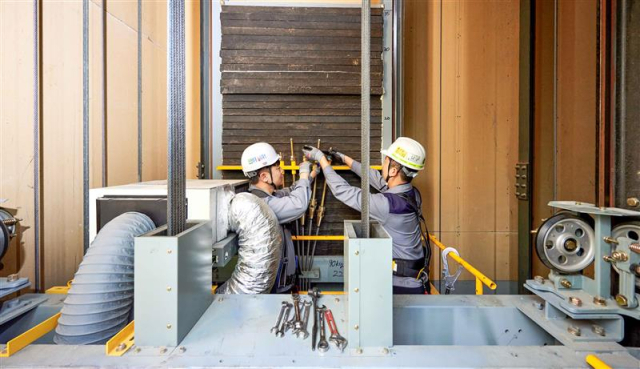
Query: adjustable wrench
336	338
323	345
303	333
276	327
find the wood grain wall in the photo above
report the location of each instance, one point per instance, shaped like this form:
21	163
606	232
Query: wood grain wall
61	95
574	175
461	88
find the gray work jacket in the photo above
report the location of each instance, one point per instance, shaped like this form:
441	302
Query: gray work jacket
288	204
404	229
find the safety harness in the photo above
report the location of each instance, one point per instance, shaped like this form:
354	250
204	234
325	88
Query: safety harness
407	203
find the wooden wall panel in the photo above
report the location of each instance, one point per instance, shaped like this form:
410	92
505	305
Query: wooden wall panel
16	133
577	36
471	86
122	97
62	140
422	102
575	153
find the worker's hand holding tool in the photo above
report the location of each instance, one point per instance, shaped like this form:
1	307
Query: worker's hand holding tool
305	169
312	153
337	156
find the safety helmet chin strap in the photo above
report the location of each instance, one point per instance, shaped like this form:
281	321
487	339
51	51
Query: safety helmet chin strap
388	170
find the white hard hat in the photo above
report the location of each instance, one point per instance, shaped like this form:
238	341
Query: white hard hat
409	153
257	156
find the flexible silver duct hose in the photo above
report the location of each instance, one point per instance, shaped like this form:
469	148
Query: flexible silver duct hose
100	300
259	246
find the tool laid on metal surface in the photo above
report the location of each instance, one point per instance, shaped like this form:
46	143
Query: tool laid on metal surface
315	295
303	332
335	337
449	279
323	345
276	327
280	331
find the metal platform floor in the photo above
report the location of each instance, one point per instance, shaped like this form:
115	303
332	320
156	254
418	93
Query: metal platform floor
433	331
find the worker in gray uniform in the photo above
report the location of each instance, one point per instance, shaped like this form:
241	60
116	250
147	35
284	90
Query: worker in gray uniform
397	207
261	164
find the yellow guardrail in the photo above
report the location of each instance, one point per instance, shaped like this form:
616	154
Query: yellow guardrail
596	363
480	278
30	336
292	167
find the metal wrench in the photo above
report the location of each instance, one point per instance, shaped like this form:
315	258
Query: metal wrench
315	294
280	332
336	338
303	333
297	324
323	345
276	327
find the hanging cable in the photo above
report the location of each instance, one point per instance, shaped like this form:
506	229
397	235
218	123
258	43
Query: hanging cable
365	109
85	121
176	188
36	139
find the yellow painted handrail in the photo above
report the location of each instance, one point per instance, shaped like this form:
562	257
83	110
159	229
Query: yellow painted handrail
596	363
480	278
476	273
292	167
30	336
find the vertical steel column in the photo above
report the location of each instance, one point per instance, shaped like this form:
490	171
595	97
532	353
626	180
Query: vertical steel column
205	89
527	42
398	69
103	75
85	122
176	190
555	99
36	139
606	76
627	110
366	110
139	90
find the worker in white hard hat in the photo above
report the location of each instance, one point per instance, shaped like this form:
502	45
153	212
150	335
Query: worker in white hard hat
397	207
261	164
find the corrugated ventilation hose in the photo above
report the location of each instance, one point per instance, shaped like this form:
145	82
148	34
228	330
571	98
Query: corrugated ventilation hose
100	300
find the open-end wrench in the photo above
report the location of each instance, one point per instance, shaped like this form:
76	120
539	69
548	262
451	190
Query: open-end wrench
290	323
303	333
280	332
315	294
276	327
297	324
336	338
323	345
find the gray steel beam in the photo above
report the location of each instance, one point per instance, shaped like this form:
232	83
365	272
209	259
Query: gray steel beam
205	90
627	115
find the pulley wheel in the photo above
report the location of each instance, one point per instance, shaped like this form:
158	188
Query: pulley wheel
566	243
4	241
627	229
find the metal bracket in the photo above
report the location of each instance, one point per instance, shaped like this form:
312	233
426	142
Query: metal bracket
121	342
522	181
